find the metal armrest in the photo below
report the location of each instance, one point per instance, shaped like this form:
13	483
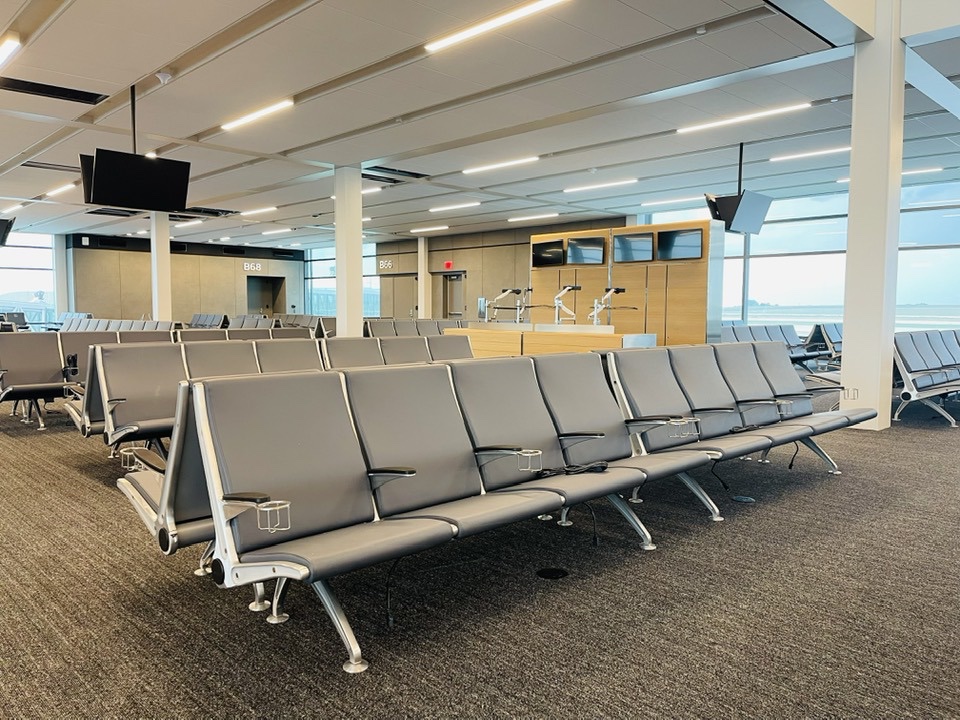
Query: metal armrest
272	515
574	438
494	452
111	405
381	476
658	420
715	409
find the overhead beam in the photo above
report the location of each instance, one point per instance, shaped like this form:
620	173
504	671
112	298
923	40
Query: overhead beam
928	80
927	21
839	22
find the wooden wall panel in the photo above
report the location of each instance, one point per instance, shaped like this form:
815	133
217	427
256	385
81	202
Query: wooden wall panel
136	300
656	321
686	307
593	282
633	278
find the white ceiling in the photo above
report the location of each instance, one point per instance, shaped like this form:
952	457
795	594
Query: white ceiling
594	87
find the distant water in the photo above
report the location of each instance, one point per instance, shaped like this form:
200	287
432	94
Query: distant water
909	317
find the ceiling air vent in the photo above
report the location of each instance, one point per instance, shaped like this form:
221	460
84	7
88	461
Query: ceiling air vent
283	254
51	91
113	212
227	250
111	242
177	247
395	172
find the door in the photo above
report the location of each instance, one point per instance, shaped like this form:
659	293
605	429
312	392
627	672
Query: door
405	297
453	304
264	294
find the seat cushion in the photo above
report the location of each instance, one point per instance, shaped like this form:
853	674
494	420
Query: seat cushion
780	434
660	465
357	546
149	484
820	422
585	486
727	446
477	513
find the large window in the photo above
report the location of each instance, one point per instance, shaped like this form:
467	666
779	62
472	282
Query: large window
320	277
26	277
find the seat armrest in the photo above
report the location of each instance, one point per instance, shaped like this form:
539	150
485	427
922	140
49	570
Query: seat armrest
492	452
246	498
569	439
657	420
498	449
381	476
111	404
714	409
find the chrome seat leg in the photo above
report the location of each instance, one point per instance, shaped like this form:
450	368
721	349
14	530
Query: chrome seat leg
277	615
355	663
260	602
620	504
701	495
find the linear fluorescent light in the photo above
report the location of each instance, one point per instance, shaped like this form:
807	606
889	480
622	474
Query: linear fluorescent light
743	118
671	202
459	206
497	166
952	215
143	232
188	223
917	204
532	217
257	211
922	171
365	191
491	24
814	153
598	186
257	115
60	190
9	45
294	244
12	208
277	232
430	229
365	219
843	180
152	155
224	239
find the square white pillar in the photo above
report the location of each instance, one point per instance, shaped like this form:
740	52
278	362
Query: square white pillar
160	282
348	215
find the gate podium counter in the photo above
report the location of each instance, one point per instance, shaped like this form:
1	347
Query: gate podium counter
503	339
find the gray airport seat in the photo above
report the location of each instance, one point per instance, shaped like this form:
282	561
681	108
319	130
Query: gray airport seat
405	328
380	328
114	325
86	409
248	333
742	333
327	327
219	357
760	333
138	325
449	347
286	333
403	350
31	371
74	349
192	335
291	355
427	328
313	455
727	335
444	324
351	352
586	415
139	336
138	384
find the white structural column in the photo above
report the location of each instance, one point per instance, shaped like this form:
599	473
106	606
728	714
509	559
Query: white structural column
348	214
424	281
874	220
160	283
61	273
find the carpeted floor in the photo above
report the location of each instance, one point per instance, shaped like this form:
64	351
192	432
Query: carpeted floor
830	597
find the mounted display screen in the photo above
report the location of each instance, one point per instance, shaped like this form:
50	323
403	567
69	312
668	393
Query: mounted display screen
126	180
633	247
6	225
680	245
585	251
547	253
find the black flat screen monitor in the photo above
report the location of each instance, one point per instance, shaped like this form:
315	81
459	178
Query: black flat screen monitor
134	181
633	247
547	253
743	213
585	251
680	245
6	225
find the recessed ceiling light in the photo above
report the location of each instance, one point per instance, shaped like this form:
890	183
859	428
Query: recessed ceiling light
257	115
277	232
598	186
429	229
843	180
459	206
491	24
60	190
143	232
365	191
8	46
258	211
224	239
671	202
152	155
12	208
532	217
188	223
744	118
497	166
814	153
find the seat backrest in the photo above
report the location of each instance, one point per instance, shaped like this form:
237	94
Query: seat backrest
449	347
774	362
759	332
936	342
380	328
92	403
444	324
575	391
288	355
776	334
125	325
151	325
426	328
790	335
502	405
196	319
101	324
250	322
184	489
145	376
352	352
201	334
113	325
833	332
289	332
922	343
650	389
328	326
138	336
138	325
403	350
30	358
312	458
739	367
164	325
85	324
78	343
950	341
405	328
699	376
264	323
742	333
726	334
68	324
408	416
218	358
248	333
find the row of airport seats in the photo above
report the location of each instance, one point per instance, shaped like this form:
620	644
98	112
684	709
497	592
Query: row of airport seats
797	349
252	321
927	365
208	320
102	324
63	317
386	327
129	391
17	319
416	456
828	337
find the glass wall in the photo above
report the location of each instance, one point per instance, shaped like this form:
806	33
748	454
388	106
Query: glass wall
26	277
320	276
